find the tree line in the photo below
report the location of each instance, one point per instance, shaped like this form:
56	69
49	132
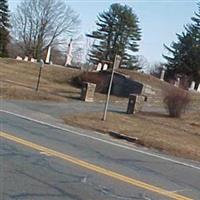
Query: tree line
36	25
185	53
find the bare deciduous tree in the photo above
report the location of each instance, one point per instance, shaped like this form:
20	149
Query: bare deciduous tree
142	63
39	24
156	69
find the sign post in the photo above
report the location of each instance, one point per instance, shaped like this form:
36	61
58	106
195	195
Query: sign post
115	66
39	75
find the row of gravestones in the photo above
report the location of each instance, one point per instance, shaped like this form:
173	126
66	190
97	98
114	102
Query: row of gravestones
33	60
177	82
192	87
47	60
26	59
101	67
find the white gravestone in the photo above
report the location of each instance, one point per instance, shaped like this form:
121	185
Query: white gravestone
26	58
69	54
105	67
19	58
162	75
177	83
99	66
192	86
198	89
33	60
48	55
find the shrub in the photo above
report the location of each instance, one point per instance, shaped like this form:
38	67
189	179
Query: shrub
100	79
77	81
176	102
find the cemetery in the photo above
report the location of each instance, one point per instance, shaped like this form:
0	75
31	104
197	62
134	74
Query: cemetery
57	85
100	99
104	79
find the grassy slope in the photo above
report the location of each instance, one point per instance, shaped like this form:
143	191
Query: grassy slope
161	87
19	79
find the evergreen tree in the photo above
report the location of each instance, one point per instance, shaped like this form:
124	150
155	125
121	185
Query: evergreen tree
117	33
4	26
185	52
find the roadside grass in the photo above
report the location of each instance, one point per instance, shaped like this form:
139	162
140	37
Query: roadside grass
179	137
9	91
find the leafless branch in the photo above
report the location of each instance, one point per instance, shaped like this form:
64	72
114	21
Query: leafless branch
38	24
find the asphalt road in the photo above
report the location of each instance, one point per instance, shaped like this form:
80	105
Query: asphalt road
58	109
61	164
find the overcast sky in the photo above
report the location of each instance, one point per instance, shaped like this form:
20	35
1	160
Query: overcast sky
159	20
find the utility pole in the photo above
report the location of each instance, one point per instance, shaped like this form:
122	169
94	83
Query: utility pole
115	66
39	75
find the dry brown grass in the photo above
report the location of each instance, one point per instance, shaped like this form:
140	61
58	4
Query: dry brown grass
146	79
161	86
176	136
180	137
19	79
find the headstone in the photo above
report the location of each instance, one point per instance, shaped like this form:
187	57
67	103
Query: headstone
117	62
198	89
48	55
87	93
33	60
19	58
162	75
177	83
69	54
105	67
192	86
99	66
135	103
26	58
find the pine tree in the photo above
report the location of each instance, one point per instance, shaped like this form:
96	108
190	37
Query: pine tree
185	52
4	26
117	33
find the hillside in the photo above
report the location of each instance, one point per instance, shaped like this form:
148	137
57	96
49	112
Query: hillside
160	87
19	79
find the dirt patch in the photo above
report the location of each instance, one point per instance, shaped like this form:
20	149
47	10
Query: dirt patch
180	137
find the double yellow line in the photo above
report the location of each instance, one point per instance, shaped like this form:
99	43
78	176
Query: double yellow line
95	168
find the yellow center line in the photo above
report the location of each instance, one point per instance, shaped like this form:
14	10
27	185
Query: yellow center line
95	168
